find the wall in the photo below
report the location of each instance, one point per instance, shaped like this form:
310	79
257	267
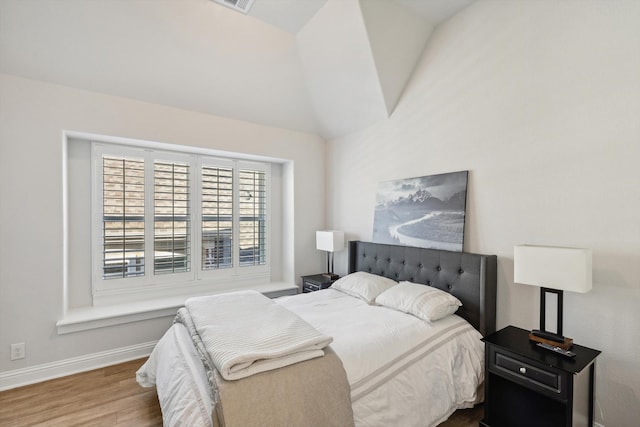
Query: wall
33	116
342	101
540	101
390	25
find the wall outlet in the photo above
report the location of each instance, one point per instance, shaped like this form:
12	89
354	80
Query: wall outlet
17	351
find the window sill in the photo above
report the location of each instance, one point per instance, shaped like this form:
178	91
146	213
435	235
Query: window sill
86	318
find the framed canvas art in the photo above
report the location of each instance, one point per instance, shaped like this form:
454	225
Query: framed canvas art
427	211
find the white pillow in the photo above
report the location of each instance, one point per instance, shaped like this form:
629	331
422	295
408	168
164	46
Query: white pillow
363	285
425	302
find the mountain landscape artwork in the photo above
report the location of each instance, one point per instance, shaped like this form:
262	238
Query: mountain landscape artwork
427	211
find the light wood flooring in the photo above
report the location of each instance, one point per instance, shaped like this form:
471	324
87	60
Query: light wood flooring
109	397
104	397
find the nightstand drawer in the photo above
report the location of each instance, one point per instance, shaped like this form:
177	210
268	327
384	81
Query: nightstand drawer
316	282
543	380
310	287
529	372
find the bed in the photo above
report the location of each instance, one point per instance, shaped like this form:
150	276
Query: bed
430	369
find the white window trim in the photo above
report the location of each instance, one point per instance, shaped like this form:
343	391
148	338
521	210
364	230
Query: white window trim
80	315
197	281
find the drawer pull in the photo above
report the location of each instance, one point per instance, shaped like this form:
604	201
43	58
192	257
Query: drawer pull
523	370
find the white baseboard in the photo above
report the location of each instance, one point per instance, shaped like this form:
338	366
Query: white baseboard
597	425
62	368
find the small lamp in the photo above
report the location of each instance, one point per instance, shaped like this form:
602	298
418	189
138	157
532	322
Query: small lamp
555	270
330	241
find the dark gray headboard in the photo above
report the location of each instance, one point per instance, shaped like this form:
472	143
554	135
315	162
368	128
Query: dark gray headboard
469	277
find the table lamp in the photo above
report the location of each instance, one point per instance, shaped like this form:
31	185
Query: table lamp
330	241
554	270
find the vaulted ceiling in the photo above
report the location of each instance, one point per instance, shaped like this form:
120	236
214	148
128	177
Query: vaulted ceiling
322	66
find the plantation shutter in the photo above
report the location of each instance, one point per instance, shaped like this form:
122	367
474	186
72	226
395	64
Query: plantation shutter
169	222
252	221
217	217
172	220
122	217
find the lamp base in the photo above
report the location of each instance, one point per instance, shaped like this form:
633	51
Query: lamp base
566	344
330	276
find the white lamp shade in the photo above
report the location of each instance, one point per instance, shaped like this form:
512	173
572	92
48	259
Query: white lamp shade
330	240
567	269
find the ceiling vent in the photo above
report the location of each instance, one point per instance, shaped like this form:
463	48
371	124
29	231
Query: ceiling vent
239	5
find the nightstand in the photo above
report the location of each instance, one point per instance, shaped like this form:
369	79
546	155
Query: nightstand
316	282
529	386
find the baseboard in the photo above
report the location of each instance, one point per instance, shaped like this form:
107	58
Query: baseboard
62	368
598	425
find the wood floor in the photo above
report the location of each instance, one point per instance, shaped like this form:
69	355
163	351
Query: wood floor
109	397
104	397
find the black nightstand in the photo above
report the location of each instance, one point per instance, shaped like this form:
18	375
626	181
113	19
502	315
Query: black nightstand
528	386
316	282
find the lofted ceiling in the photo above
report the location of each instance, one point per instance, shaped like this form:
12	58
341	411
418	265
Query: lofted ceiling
292	15
320	66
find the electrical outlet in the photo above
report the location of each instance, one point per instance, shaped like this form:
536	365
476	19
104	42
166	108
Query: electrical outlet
17	351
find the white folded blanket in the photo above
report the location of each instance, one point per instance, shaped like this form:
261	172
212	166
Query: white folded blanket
245	333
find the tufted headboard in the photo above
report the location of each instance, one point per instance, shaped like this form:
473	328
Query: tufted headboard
469	277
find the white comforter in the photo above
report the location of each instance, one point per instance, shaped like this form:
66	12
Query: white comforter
402	371
175	369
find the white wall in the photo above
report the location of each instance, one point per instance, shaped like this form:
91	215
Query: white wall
33	116
540	101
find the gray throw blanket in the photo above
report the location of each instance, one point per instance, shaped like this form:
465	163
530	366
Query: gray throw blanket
314	393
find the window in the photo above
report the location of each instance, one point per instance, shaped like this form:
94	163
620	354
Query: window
153	210
252	208
122	217
217	217
171	220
